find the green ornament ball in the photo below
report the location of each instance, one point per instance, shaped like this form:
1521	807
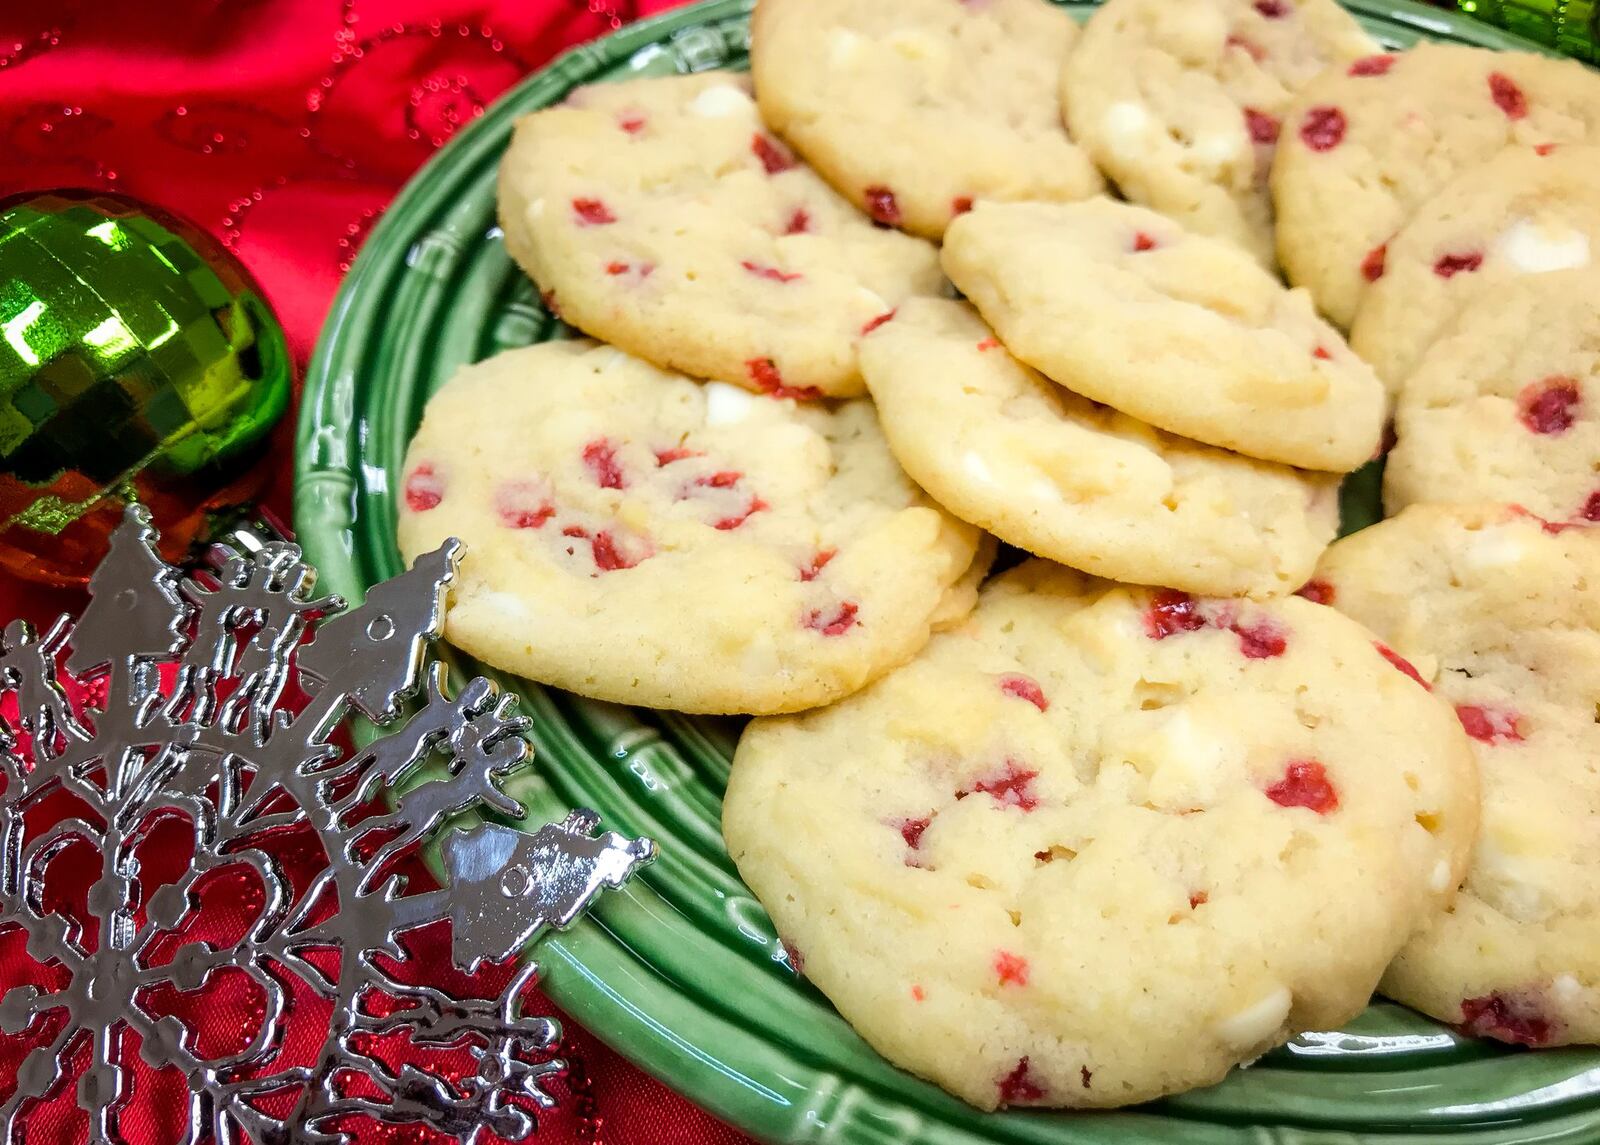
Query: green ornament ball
138	361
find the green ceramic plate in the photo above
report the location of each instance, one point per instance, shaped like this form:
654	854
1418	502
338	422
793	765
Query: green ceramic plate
681	972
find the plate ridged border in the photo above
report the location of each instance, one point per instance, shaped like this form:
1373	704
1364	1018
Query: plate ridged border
681	971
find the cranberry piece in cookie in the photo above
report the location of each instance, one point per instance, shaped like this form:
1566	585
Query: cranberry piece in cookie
1507	96
1323	128
1506	1019
1305	783
592	212
1018	1086
1549	406
881	205
424	489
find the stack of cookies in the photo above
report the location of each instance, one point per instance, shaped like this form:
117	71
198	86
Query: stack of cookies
1184	781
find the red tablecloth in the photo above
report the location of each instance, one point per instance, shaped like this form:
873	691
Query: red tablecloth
285	126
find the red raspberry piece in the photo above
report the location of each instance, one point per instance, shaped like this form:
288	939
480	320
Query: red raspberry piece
1263	128
989	344
1199	898
1543	149
1272	9
917	993
818	563
1372	65
522	505
836	623
1024	688
723	480
773	157
676	453
960	205
1009	786
1547	406
1400	662
1255	51
424	490
1171	612
615	268
1011	968
1591	507
1323	128
799	223
601	458
1143	242
911	829
1505	1019
1554	528
607	557
1305	784
592	212
756	505
764	373
1450	265
1488	724
1507	95
1318	591
1262	640
878	321
548	297
1372	265
771	272
1321	354
1018	1086
792	952
632	122
882	207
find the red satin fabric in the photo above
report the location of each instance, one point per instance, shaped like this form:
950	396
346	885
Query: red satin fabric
284	127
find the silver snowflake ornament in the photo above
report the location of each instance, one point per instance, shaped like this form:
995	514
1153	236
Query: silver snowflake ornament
220	703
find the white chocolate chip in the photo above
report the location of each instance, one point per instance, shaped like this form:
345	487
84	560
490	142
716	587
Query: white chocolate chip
871	301
1258	1022
977	468
1494	549
504	603
1217	148
609	359
1439	881
720	101
535	208
1535	250
842	46
1566	988
1126	124
726	405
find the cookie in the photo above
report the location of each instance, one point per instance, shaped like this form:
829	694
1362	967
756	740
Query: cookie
635	536
659	215
1524	212
1186	332
1505	406
1501	618
1100	844
1181	104
917	109
1055	474
1363	146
